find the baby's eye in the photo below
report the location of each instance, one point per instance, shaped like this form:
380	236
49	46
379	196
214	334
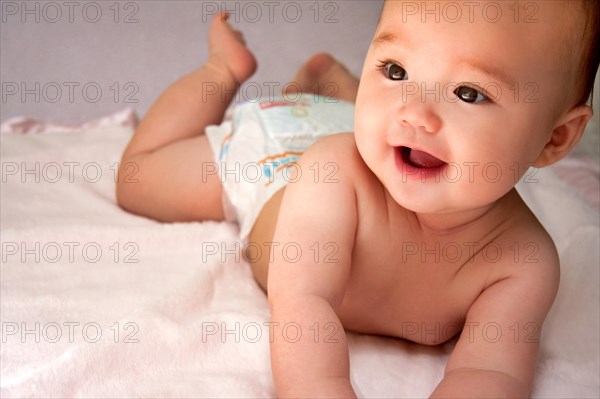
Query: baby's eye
393	71
470	95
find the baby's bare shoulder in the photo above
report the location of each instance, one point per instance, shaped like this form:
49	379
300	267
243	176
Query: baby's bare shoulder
526	252
530	241
341	146
338	151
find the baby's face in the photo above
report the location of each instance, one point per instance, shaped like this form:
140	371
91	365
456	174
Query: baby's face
480	92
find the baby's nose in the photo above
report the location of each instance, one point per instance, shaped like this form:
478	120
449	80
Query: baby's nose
415	112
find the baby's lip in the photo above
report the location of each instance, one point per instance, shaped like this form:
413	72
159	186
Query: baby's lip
420	158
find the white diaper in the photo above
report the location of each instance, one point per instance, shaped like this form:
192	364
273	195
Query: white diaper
259	141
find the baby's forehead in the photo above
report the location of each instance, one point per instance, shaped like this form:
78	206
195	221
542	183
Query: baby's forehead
553	26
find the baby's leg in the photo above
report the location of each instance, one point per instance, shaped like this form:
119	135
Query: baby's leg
164	170
325	76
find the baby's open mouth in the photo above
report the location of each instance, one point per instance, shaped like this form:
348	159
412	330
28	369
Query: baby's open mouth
420	159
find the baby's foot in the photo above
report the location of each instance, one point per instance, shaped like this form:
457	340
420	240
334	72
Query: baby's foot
227	48
325	76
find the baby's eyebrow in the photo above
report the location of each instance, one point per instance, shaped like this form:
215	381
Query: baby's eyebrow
497	74
385	37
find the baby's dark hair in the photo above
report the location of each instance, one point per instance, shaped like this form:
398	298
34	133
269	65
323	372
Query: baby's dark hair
589	42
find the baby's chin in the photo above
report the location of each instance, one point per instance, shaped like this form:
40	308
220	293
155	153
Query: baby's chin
416	205
419	198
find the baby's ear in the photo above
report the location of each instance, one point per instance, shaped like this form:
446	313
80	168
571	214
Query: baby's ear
565	135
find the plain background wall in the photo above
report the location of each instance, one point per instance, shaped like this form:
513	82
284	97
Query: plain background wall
168	39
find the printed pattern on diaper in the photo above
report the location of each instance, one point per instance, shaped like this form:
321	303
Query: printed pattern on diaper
225	146
274	164
283	118
259	144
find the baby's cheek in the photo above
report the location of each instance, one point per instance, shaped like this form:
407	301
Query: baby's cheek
361	138
368	142
364	120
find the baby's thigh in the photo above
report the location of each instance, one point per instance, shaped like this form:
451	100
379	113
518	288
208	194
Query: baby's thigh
261	237
194	181
173	183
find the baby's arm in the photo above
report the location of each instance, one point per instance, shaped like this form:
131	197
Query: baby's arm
309	353
496	354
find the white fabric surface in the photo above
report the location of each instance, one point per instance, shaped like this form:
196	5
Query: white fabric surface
176	294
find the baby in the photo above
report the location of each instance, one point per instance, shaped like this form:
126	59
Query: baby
410	226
